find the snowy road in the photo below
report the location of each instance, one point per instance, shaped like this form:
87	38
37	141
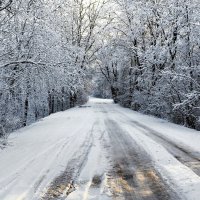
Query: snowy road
101	151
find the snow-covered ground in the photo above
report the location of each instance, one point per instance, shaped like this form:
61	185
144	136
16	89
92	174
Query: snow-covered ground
101	151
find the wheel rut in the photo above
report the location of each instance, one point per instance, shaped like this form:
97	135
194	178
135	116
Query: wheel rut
65	183
186	157
133	175
182	153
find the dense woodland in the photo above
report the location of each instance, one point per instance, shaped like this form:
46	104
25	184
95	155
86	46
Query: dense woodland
143	54
46	48
151	59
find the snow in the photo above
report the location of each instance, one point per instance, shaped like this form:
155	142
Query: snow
176	133
93	100
40	152
182	178
177	174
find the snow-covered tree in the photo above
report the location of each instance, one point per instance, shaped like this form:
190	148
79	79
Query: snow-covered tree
156	47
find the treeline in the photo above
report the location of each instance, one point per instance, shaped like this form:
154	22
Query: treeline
152	62
45	49
147	55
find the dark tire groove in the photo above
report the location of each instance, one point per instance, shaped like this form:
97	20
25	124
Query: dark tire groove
64	184
133	171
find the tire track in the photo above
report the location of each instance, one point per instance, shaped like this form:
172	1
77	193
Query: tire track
8	184
183	154
64	184
186	157
133	175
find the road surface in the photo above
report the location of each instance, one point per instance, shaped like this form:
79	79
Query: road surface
101	151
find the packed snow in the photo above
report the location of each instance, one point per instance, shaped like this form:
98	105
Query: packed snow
74	145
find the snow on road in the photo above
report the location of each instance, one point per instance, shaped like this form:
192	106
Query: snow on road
101	151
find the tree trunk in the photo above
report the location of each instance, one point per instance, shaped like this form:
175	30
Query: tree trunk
26	104
114	92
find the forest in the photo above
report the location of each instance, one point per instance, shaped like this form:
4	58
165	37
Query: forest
145	54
